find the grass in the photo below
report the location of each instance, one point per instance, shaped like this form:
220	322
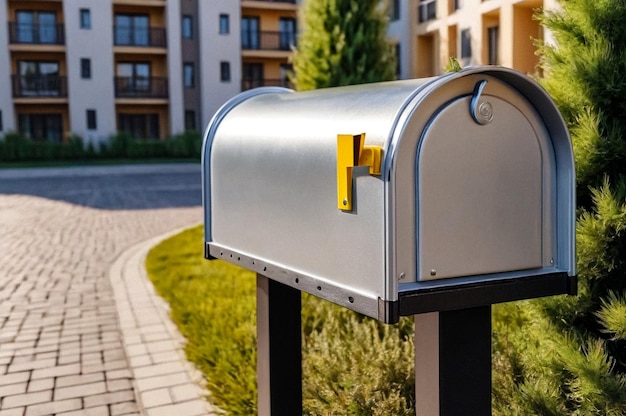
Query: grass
352	365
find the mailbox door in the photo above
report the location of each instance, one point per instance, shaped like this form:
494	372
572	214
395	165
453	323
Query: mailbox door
480	192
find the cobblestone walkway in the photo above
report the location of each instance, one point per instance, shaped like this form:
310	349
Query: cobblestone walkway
62	350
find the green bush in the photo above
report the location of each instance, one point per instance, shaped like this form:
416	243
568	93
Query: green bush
352	365
15	147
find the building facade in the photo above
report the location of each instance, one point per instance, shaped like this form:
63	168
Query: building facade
152	68
476	32
155	68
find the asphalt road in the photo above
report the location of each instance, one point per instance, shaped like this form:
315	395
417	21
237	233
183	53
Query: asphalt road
110	187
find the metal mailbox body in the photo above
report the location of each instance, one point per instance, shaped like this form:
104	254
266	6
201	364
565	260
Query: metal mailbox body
474	204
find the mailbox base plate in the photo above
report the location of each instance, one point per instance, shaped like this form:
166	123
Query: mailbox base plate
470	295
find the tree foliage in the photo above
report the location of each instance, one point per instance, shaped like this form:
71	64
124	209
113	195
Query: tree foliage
567	355
344	42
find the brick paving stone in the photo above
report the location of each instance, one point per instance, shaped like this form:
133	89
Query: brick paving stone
109	398
184	392
41	384
67	381
16	411
193	408
126	408
118	384
53	407
14	378
57	371
26	399
92	411
151	383
80	390
12	389
155	398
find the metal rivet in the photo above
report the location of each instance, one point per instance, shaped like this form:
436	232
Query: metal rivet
402	276
433	272
345	202
551	261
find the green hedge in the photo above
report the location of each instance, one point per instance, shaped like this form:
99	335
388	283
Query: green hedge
17	148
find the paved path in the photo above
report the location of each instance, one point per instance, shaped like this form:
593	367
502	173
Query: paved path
81	330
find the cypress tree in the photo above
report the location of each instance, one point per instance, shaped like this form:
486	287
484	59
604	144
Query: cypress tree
343	42
567	355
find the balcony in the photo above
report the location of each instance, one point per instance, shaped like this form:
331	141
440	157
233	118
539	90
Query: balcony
146	37
140	87
36	34
427	10
248	84
268	41
39	86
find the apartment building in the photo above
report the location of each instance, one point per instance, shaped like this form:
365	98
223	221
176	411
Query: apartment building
477	32
152	68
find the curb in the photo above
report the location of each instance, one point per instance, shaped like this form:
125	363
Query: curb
165	383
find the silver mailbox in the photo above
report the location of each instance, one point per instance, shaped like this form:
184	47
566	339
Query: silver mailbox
396	198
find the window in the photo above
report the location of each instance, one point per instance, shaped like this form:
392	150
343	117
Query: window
287	27
140	126
41	127
85	68
188	75
394	10
466	44
36	27
85	19
492	39
187	27
91	120
398	67
190	120
133	30
250	32
224	24
133	78
286	72
252	75
39	79
427	10
225	71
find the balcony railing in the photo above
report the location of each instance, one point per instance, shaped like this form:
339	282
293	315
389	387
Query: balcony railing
149	37
36	34
427	10
248	84
39	86
140	87
267	41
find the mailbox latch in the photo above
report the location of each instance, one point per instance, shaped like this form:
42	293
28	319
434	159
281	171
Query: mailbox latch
351	152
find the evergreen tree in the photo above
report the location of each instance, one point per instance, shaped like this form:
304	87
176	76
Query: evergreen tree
343	42
567	355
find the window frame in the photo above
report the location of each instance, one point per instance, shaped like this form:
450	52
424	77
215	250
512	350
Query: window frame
189	75
92	120
466	44
85	68
224	24
85	18
186	27
225	73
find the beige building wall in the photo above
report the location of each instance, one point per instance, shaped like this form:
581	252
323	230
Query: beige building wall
477	32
